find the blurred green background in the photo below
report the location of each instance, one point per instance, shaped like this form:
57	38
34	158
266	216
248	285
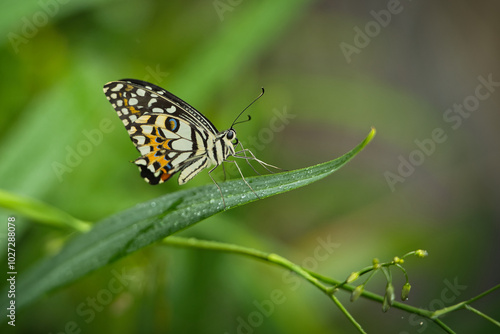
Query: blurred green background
336	68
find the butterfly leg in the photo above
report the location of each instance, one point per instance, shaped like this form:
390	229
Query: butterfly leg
224	170
218	187
252	157
239	170
247	158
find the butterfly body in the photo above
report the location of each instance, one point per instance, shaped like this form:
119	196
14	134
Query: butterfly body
170	135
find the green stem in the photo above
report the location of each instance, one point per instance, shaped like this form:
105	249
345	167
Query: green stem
268	257
318	280
443	326
312	277
347	314
443	311
481	314
403	270
41	212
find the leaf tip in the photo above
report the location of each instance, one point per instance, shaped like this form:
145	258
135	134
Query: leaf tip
372	133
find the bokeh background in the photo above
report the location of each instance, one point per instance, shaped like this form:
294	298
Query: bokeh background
335	71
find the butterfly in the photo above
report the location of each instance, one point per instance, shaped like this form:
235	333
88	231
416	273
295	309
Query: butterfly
172	136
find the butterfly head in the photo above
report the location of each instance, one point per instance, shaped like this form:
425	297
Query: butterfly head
229	139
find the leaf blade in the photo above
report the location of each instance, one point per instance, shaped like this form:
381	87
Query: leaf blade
128	231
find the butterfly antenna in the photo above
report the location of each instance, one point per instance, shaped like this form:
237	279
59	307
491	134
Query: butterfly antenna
249	118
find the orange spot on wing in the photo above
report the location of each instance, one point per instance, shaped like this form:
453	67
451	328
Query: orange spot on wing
165	176
133	110
161	159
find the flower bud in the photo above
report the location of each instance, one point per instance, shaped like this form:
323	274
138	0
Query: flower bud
357	292
421	253
388	298
352	277
405	291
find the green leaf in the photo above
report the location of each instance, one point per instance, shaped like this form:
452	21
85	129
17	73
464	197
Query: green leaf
137	227
40	211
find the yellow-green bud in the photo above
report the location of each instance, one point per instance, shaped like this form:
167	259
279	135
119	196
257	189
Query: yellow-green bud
352	277
388	298
421	253
398	260
357	292
405	291
385	305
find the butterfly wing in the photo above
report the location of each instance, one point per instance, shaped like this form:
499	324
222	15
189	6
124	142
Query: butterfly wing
169	133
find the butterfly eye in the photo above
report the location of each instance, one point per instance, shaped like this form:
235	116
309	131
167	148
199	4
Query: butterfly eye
231	134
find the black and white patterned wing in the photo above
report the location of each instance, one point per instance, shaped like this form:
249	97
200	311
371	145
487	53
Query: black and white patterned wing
169	133
131	98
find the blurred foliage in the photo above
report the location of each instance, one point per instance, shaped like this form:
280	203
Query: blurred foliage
425	60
